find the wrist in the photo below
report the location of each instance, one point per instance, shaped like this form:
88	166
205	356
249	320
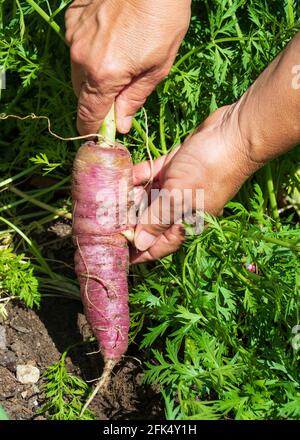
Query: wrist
268	112
250	131
220	154
239	138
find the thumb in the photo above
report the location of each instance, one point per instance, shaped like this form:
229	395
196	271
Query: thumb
164	209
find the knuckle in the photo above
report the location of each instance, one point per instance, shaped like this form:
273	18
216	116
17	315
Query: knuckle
69	36
70	21
95	76
116	69
110	78
164	72
179	232
134	102
85	113
113	70
77	52
104	75
100	77
68	16
160	74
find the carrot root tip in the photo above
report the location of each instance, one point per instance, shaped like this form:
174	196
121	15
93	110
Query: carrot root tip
102	384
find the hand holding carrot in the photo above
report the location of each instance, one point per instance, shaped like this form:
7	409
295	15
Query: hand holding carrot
213	159
120	50
228	147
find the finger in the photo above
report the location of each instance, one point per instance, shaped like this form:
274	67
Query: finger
94	104
138	195
132	97
72	17
143	171
168	243
78	77
98	87
165	208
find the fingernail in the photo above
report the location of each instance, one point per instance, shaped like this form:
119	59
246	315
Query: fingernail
144	240
126	124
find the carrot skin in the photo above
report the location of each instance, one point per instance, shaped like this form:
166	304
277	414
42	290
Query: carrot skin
102	183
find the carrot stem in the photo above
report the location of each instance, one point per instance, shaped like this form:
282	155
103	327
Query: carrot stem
272	194
45	206
47	18
108	127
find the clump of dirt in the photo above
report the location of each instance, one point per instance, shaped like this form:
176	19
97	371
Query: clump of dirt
38	338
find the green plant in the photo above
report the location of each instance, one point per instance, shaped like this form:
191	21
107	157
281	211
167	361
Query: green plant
65	393
3	415
17	280
228	330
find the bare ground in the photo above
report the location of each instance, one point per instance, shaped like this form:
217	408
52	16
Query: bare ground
39	338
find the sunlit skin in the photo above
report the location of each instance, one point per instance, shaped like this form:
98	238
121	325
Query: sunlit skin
125	65
226	149
121	50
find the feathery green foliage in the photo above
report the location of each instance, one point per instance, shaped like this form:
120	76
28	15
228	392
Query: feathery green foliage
221	336
65	393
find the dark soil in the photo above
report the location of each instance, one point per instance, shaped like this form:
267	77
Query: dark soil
39	337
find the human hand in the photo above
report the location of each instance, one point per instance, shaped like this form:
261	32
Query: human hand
120	50
215	158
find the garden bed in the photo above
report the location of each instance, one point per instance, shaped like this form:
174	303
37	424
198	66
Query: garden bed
38	338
